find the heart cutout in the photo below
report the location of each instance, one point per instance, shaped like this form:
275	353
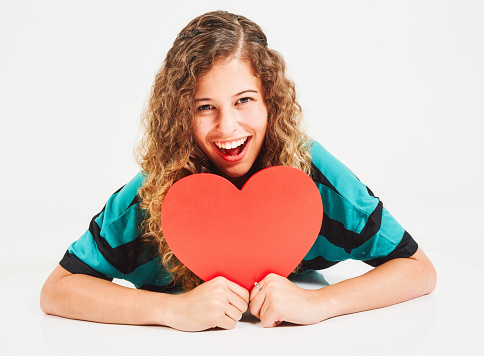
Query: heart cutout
266	227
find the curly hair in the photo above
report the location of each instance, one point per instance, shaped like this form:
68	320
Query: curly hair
168	151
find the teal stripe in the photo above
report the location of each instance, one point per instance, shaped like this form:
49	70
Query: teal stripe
124	229
100	219
345	182
337	208
351	205
322	247
379	245
390	235
119	202
86	250
152	272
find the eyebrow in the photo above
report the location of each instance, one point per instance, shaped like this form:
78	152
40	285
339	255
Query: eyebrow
242	92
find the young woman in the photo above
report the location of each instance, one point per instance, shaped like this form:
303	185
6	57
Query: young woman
221	103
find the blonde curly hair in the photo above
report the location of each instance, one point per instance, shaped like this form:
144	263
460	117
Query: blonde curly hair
168	151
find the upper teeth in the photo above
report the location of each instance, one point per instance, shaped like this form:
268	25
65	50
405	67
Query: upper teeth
231	144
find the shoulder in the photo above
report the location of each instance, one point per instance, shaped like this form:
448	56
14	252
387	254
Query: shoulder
355	224
340	182
113	245
123	199
325	162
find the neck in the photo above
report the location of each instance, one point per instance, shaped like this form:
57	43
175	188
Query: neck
240	181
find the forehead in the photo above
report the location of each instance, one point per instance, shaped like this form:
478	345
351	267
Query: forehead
229	76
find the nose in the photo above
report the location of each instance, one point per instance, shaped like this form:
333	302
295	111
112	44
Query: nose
227	121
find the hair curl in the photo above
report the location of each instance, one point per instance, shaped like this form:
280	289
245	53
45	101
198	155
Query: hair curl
168	151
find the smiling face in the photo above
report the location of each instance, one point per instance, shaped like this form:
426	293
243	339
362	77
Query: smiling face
230	118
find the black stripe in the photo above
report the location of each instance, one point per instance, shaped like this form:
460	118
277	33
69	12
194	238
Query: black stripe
406	248
315	264
318	177
338	235
117	191
370	192
104	207
136	200
134	254
167	288
73	264
126	257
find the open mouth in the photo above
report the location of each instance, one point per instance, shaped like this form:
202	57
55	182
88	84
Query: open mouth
232	148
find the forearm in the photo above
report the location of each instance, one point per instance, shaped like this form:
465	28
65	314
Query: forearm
78	296
216	303
396	281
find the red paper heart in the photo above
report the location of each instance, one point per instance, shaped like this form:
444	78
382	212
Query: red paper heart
266	227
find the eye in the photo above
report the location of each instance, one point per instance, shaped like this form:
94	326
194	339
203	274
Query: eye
244	100
205	107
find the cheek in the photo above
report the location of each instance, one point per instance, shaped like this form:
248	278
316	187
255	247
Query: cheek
199	131
257	119
261	122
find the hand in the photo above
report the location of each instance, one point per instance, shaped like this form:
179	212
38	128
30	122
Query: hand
216	303
281	300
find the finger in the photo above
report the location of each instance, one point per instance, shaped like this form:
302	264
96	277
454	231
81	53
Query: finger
258	286
256	304
236	301
269	325
269	317
226	322
233	313
241	292
254	291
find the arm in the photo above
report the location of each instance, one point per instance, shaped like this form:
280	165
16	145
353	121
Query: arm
393	282
217	303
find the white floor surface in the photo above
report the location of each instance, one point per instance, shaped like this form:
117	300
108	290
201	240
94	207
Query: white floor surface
443	323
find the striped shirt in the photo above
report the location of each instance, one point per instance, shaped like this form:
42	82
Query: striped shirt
355	226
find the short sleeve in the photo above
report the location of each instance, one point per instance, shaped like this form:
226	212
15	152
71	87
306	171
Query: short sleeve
73	264
113	247
406	248
356	225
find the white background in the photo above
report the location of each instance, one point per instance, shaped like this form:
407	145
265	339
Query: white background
393	89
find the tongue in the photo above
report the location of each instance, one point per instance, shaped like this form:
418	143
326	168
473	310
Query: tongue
234	151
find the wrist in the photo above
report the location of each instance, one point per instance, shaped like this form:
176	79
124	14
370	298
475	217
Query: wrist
327	305
167	309
154	308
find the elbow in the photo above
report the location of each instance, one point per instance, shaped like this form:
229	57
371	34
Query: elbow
51	292
428	276
46	299
431	278
424	274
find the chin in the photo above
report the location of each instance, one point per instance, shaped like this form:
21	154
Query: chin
234	174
